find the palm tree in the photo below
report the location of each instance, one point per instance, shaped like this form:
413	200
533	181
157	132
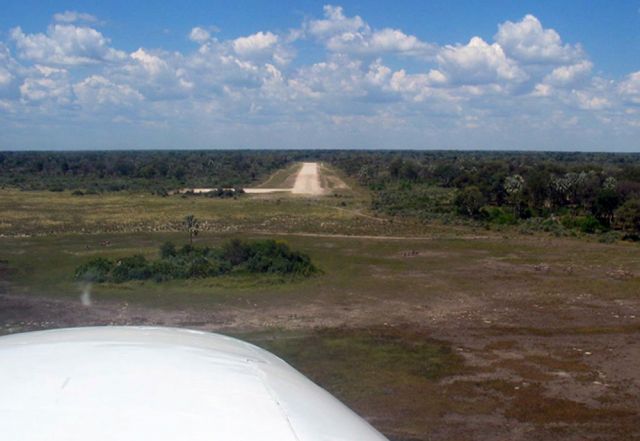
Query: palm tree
192	225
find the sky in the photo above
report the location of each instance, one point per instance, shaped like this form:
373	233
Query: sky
425	74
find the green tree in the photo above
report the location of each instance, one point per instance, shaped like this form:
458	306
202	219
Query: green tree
469	201
605	205
192	225
627	217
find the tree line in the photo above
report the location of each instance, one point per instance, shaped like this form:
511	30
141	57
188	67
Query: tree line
157	171
593	192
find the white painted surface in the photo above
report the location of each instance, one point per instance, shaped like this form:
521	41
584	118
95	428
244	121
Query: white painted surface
157	384
308	180
266	190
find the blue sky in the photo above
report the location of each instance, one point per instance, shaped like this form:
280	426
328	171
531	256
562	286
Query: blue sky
353	74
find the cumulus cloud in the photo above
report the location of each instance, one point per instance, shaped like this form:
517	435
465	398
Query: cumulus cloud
629	88
569	74
335	22
262	46
46	84
97	90
356	78
527	41
257	43
199	35
157	75
6	66
479	63
65	45
417	87
353	35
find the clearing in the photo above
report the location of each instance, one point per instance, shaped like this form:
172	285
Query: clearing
301	179
431	332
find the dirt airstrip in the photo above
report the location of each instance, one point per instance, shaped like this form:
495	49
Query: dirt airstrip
307	183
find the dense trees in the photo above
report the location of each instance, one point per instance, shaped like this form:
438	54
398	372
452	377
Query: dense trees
148	170
588	191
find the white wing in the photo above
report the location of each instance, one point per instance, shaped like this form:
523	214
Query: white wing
156	384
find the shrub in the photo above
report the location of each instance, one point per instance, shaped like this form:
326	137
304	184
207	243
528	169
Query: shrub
589	224
266	256
131	268
269	256
167	250
469	201
627	217
500	216
235	252
610	237
95	270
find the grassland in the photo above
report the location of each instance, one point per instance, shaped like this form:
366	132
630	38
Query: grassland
283	178
430	331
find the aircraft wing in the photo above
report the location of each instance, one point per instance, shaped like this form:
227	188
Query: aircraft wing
144	383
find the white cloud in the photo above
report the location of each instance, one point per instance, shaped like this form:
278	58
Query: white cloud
629	88
357	81
151	63
417	86
567	75
260	47
199	35
378	43
157	75
479	63
73	17
334	23
353	35
260	42
393	40
527	41
97	90
5	66
46	84
65	45
587	100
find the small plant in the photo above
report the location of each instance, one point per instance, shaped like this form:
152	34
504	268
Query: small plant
192	225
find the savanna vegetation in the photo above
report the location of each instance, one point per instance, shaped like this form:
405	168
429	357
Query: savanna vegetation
588	192
422	321
188	261
558	192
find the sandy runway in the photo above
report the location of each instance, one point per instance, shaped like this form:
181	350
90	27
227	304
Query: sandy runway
308	180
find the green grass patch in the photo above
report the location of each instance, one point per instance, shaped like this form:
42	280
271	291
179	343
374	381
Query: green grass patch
283	178
356	364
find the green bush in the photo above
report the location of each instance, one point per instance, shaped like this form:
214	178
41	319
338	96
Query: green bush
131	268
500	216
589	224
167	250
469	201
265	256
96	270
